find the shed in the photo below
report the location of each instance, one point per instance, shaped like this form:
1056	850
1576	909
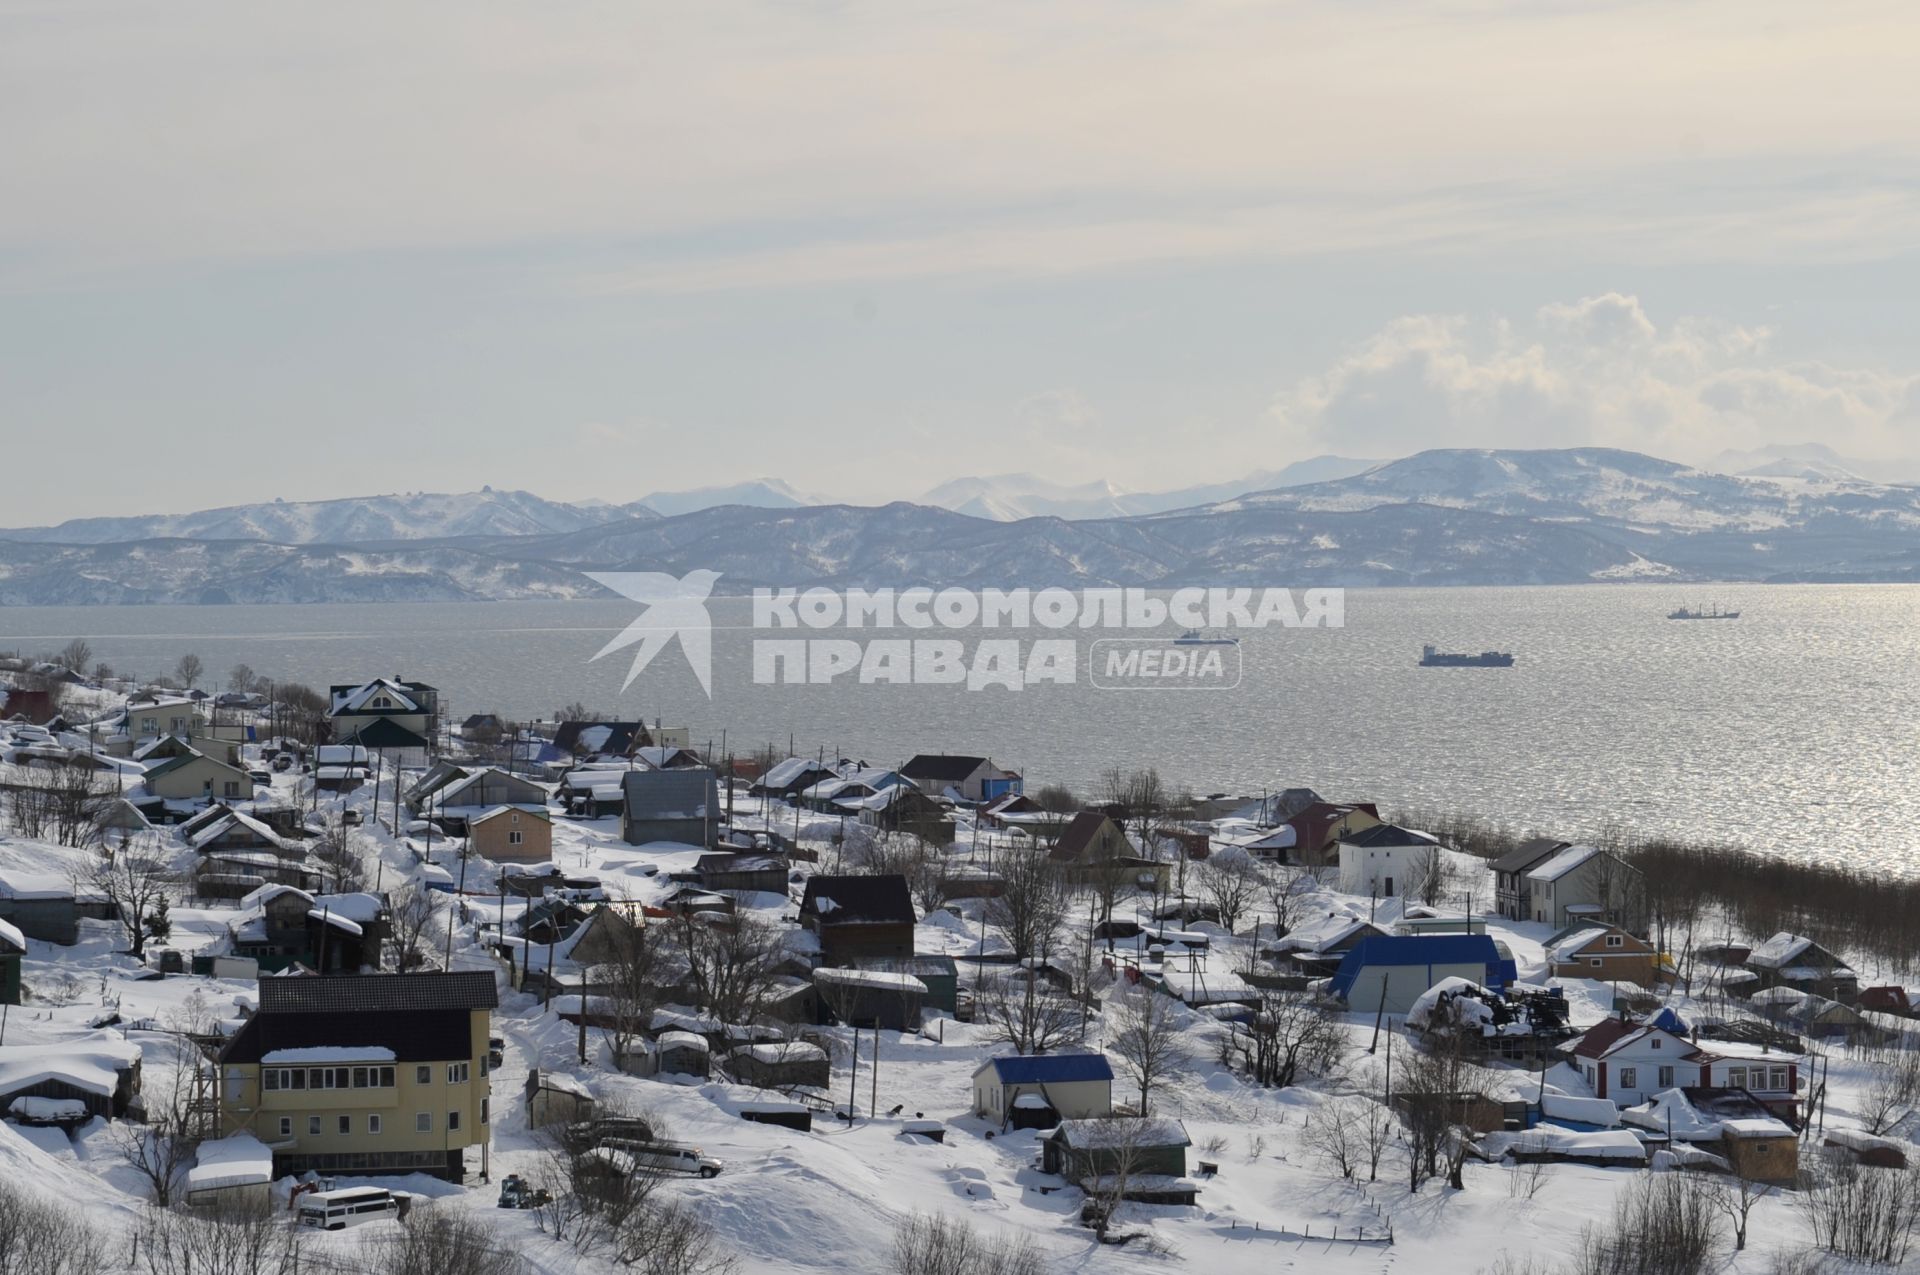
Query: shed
1388	973
871	998
781	1065
556	1098
1083	1151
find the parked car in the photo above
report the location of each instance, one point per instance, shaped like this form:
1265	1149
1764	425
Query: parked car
668	1157
264	777
496	1052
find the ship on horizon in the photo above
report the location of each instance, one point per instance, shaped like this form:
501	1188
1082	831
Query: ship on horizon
1195	637
1716	614
1432	657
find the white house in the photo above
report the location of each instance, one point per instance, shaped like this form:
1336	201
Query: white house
1074	1086
1630	1062
1385	860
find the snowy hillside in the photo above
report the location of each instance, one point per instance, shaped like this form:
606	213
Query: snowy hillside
413	516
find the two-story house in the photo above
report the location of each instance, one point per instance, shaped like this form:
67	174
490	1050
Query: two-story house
967	778
1512	895
376	1073
1588	884
390	716
859	917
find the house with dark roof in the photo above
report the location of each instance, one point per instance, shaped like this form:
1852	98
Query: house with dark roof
671	805
1512	897
387	715
974	779
1037	1091
1795	961
859	917
1388	973
605	739
1318	828
191	775
790	777
1385	860
379	1073
1145	1159
461	795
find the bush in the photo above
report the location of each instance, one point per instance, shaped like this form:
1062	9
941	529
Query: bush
1863	1214
940	1245
1663	1224
43	1237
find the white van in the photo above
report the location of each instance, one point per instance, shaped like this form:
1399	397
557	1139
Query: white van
666	1157
349	1206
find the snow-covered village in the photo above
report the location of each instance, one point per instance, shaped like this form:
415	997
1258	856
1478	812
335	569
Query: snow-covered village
304	979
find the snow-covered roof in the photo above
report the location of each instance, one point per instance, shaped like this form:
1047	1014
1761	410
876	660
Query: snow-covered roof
12	936
1568	949
561	1082
93	1064
778	1052
1779	950
1119	1131
1601	1112
1610	1144
1318	934
683	1040
878	980
354	700
329	1054
237	1160
1564	862
31	1108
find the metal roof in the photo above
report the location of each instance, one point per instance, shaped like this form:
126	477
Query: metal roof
1050	1069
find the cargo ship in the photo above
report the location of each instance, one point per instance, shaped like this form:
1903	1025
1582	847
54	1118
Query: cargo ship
1194	637
1432	658
1715	614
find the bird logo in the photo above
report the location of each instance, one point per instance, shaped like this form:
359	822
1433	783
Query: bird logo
675	608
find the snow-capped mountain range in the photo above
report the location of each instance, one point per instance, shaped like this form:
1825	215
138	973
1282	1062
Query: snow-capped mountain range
1453	516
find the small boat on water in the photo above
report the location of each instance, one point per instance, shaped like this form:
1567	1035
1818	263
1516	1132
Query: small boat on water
1430	657
1716	614
1194	637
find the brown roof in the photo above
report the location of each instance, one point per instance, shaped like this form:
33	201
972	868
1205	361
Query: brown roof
1079	835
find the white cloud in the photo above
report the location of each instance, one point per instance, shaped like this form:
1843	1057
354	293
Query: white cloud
1595	372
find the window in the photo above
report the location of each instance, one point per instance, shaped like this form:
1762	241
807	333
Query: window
1736	1077
1614	940
1656	1042
423	1075
423	1122
373	1124
1594	961
484	1104
515	837
1666	1077
457	1073
1777	1079
1629	1077
313	1126
270	1078
286	1126
232	788
483	1064
346	1124
453	1122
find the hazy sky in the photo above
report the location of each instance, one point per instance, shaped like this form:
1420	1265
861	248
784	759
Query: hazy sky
259	250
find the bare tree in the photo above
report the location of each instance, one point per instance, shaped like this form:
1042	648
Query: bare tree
1892	1090
337	851
1663	1224
75	656
1140	798
1289	893
43	1235
1032	904
135	881
440	1243
1332	1137
242	678
412	915
1735	1198
1032	1018
935	1244
1866	1215
1438	1088
66	802
1289	1038
1429	874
188	670
733	968
236	1239
1146	1034
606	1201
1232	884
160	1150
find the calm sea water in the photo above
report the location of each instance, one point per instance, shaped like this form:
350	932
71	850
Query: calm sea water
1793	730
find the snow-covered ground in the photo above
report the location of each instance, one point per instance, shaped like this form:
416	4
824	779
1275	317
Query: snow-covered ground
831	1199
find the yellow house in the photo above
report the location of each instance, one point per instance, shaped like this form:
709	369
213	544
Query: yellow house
150	716
191	775
371	1073
512	834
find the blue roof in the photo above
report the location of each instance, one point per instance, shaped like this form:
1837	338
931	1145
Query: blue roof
1425	949
1050	1069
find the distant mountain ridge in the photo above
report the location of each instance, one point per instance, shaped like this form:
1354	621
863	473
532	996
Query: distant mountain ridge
1450	516
1011	497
